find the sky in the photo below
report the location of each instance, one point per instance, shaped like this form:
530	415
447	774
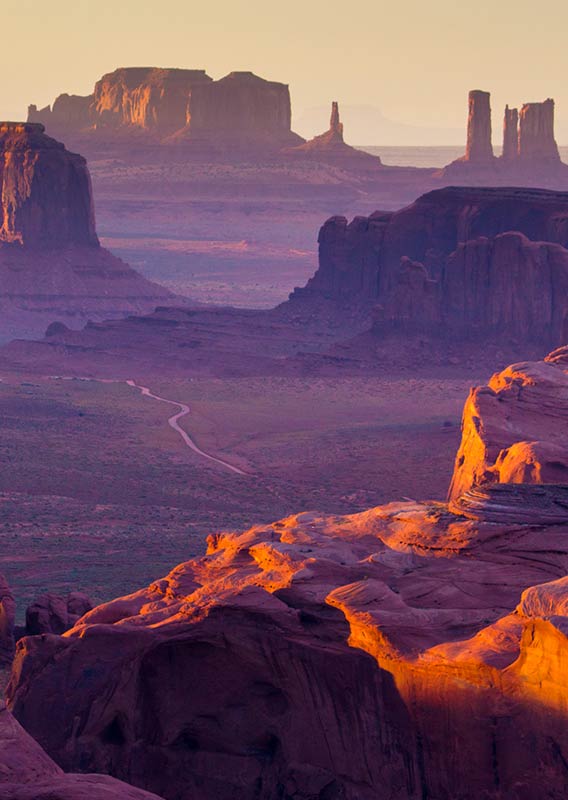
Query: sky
413	60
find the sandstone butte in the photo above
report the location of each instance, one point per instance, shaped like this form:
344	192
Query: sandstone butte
415	650
462	269
331	147
529	147
239	109
52	266
473	263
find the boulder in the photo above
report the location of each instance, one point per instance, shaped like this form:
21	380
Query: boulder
51	613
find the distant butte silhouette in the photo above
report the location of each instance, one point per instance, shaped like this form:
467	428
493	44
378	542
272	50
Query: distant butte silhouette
52	267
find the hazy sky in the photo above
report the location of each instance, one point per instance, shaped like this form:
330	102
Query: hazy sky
415	60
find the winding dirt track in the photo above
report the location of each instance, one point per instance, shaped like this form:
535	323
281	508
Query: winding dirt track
173	423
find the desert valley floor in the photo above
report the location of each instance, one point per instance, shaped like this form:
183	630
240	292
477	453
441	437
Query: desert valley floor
112	473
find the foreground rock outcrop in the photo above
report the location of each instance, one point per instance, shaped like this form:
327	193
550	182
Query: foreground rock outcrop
27	772
241	109
52	266
51	613
479	263
7	619
415	650
515	430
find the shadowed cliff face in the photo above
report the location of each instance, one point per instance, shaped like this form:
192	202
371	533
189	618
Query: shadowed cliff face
45	191
27	773
450	262
52	267
337	657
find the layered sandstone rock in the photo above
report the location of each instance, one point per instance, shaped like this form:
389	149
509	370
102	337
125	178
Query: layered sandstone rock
45	191
510	134
536	133
51	264
178	105
446	263
479	149
148	98
335	657
515	429
27	772
530	155
243	109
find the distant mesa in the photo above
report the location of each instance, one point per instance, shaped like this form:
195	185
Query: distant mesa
178	105
330	146
529	146
52	267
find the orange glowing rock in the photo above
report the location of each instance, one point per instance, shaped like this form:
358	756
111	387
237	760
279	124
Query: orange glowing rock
341	656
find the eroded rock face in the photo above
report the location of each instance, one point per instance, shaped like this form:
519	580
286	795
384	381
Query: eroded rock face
46	198
148	98
337	657
27	772
178	105
423	264
515	429
241	107
530	155
510	134
7	617
52	613
479	148
536	133
52	267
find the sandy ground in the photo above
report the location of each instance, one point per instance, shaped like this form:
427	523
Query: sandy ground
100	494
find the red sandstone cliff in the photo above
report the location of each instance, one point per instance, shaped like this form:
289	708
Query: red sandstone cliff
45	191
335	657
